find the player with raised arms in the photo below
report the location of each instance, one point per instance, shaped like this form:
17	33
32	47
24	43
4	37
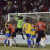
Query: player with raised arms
19	20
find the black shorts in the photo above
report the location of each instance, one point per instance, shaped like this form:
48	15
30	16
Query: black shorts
18	30
41	35
13	35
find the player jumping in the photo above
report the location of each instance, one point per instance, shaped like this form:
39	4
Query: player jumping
19	25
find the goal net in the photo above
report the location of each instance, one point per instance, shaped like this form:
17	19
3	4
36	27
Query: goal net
33	18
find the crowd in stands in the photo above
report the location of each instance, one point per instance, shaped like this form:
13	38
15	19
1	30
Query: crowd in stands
22	6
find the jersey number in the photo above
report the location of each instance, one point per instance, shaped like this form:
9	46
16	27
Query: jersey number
26	26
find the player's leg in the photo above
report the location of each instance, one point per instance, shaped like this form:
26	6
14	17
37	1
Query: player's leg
43	38
33	40
16	30
10	40
5	40
38	40
42	43
20	30
14	37
8	35
34	36
29	39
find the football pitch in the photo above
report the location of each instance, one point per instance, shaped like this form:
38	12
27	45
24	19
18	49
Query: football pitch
23	47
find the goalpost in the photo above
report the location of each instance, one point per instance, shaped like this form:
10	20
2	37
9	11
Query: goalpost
35	17
31	15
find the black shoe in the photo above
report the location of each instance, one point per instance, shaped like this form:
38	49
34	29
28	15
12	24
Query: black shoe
23	38
16	45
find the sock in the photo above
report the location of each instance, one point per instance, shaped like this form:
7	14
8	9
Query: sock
14	41
5	41
38	44
22	35
33	42
29	42
10	42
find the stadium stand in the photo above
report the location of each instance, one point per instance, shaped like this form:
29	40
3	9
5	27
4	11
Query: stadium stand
23	6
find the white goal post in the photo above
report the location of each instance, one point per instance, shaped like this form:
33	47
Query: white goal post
31	15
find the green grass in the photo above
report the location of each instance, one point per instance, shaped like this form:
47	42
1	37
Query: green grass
22	47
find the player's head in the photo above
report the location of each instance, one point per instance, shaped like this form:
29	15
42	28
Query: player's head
21	17
27	20
18	17
7	25
32	25
40	19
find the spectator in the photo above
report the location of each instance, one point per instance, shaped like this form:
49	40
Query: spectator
49	9
13	6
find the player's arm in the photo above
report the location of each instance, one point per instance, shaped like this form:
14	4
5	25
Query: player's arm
9	27
36	26
5	26
44	25
22	20
23	27
16	17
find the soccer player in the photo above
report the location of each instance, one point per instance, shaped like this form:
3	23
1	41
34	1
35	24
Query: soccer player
40	27
27	29
19	20
7	33
13	34
33	34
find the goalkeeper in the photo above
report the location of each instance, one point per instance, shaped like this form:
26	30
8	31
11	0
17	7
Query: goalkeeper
19	20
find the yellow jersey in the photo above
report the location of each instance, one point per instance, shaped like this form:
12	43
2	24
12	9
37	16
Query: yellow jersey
33	31
27	28
6	31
